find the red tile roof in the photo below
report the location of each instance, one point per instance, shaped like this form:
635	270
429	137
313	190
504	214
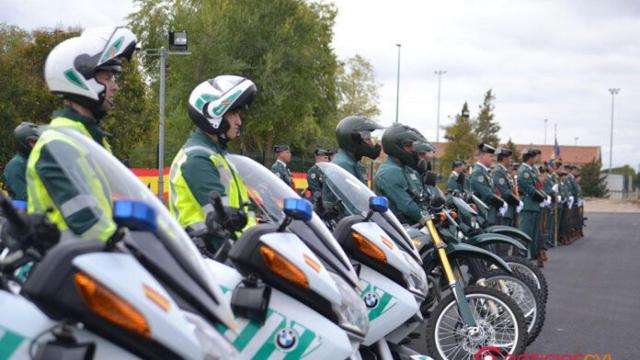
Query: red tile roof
578	155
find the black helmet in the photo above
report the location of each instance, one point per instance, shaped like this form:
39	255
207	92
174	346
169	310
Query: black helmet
210	100
396	137
24	133
350	132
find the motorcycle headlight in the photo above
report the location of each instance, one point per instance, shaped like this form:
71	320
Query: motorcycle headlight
214	345
351	312
417	279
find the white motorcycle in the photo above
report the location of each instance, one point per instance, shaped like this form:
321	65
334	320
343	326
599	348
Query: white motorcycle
389	264
145	293
291	286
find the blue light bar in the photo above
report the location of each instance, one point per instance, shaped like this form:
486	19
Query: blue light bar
136	215
298	209
378	204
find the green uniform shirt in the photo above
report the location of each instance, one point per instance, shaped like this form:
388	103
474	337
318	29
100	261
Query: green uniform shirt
396	181
482	183
452	183
347	162
504	187
280	168
15	173
198	170
315	178
527	187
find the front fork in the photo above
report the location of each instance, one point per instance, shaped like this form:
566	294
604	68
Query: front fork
455	284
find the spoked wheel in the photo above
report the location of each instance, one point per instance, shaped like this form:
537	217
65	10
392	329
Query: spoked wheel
524	292
530	270
500	326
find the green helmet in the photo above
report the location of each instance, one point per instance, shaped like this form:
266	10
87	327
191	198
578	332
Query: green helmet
25	133
351	133
398	136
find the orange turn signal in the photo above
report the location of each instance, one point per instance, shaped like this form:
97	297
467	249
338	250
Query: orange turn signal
368	248
110	306
283	267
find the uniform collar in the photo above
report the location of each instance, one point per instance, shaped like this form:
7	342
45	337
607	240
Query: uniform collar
527	166
502	167
455	173
92	125
346	155
482	166
281	162
202	137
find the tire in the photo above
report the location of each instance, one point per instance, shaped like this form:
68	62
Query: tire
524	292
482	300
527	268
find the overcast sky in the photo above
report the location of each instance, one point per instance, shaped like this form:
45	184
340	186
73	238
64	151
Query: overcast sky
548	59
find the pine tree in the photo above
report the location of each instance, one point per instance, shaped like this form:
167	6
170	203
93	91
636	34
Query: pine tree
486	128
511	146
462	142
593	182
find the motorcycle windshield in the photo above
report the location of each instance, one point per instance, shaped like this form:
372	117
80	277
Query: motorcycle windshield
91	170
268	192
354	196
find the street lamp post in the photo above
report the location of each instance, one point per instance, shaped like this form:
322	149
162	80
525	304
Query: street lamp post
575	141
398	84
439	73
177	46
614	92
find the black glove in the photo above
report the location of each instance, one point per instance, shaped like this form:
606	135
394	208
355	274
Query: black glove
36	232
496	201
538	196
512	200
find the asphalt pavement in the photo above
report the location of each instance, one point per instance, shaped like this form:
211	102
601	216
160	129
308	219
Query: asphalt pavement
594	292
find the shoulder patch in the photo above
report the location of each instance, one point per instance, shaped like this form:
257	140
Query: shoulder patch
480	178
313	175
501	181
526	174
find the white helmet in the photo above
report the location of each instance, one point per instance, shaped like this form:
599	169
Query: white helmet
71	66
210	100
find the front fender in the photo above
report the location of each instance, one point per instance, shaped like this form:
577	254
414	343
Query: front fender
509	231
494	238
430	257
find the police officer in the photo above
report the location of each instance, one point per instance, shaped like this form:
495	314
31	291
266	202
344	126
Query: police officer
455	182
396	178
355	141
279	167
482	183
82	70
315	178
504	185
15	172
201	166
532	199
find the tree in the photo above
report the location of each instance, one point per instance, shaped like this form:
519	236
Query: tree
593	182
23	91
284	46
357	88
24	95
511	146
485	127
462	142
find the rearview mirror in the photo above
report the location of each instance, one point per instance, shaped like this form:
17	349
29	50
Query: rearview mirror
430	178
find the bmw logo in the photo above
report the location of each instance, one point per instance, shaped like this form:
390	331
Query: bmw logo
286	339
371	299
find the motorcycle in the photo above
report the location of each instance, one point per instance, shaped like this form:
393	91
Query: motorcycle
292	288
463	321
144	293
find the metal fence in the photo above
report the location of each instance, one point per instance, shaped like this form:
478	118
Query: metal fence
624	195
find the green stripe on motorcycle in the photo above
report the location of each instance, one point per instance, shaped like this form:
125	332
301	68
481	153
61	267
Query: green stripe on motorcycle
9	343
305	340
246	335
380	309
268	347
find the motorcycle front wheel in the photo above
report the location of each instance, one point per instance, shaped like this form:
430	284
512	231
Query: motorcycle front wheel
500	327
